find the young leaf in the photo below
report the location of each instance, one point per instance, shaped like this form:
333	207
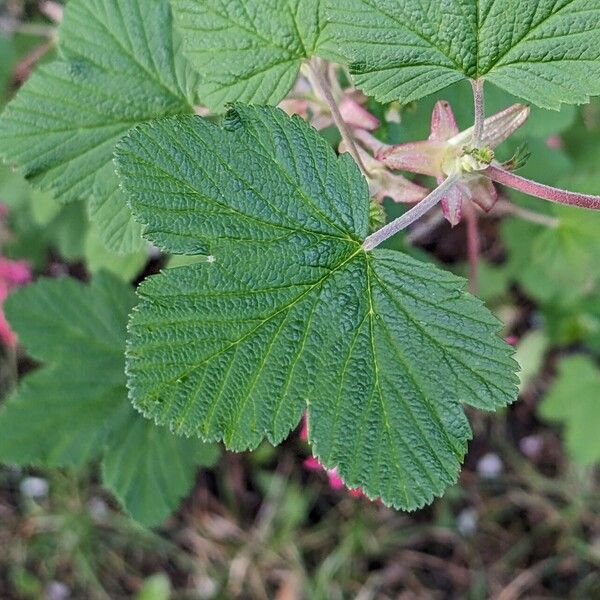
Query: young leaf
249	50
545	51
150	469
120	66
75	408
554	264
289	313
573	400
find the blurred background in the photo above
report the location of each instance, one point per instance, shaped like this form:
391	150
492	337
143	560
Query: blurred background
522	522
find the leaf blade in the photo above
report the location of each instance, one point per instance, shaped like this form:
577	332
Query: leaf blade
249	50
119	67
235	348
74	409
541	51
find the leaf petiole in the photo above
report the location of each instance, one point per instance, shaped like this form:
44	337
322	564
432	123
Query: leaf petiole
479	111
415	213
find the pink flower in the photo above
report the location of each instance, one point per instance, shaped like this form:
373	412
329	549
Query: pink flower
335	481
382	182
554	142
312	464
448	151
13	274
465	167
350	104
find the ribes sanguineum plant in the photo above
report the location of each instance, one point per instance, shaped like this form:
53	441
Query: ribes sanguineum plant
291	306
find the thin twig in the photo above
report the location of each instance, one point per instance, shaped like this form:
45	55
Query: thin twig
479	109
508	208
11	27
23	69
323	88
526	579
412	215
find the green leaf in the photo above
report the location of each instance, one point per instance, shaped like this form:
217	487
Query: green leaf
150	470
249	50
157	587
416	117
120	66
75	408
574	401
557	264
546	51
289	313
530	355
7	51
37	222
99	258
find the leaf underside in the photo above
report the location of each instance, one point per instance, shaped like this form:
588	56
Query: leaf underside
120	66
545	51
249	50
290	314
75	408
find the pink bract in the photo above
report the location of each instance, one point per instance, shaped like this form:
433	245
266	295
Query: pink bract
13	274
444	153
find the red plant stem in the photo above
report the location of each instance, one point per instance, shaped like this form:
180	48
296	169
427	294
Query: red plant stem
546	192
473	247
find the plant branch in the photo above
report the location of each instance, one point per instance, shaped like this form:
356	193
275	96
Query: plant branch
412	215
320	84
546	192
479	110
508	208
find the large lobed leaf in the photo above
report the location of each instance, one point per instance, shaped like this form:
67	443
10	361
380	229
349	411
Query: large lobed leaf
545	51
75	408
289	313
249	50
120	66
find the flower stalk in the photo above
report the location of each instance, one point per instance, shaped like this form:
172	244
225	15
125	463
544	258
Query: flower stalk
496	173
409	217
322	87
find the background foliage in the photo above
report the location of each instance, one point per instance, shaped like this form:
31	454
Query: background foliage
523	520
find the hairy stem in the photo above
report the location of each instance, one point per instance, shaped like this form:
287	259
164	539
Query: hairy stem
508	208
409	217
473	247
546	192
479	110
323	88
